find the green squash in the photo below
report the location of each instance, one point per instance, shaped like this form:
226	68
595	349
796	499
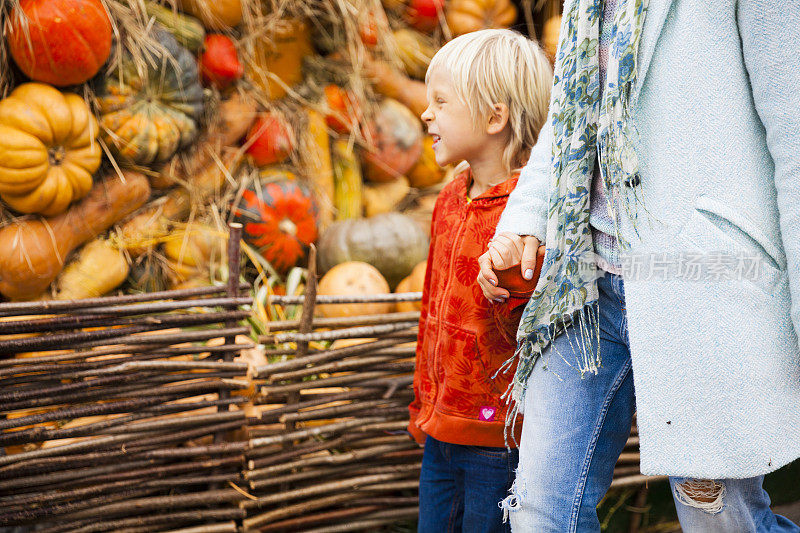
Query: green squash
391	242
186	29
146	116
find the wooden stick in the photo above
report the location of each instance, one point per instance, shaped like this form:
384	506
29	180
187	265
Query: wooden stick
628	458
633	481
119	350
31	514
100	488
388	501
273	415
116	374
371	298
234	263
350	379
55	306
86	339
254	522
141	505
335	411
339	322
325	517
192	516
163	306
295	451
347	333
173	423
336	366
391	486
22	482
322	488
308	432
255	476
621	471
316	475
122	470
39	434
388	517
68	322
220	448
354	426
328	355
185	435
228	527
161	395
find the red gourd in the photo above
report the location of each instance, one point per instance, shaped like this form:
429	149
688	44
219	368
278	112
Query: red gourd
344	112
270	139
219	63
279	219
61	42
424	14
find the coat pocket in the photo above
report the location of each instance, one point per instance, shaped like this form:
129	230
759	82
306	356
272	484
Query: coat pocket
732	246
458	364
467	387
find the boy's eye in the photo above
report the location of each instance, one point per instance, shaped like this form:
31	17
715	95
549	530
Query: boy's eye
439	101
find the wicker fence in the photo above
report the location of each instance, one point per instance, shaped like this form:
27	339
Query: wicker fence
136	414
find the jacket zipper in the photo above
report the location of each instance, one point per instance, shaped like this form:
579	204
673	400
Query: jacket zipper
456	246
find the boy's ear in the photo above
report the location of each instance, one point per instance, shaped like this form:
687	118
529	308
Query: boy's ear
498	118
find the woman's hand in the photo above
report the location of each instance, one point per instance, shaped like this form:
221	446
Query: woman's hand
505	251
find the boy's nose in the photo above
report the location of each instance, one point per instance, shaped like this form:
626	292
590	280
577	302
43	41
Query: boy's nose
427	115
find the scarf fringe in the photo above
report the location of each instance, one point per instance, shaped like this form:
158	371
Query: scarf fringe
582	330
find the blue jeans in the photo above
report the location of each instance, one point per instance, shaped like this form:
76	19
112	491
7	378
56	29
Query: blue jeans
574	429
460	487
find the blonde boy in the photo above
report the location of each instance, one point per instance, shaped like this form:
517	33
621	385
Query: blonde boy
488	93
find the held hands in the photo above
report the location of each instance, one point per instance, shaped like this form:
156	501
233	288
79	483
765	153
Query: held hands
505	251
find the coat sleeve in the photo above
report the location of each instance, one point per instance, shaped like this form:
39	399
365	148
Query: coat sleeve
508	314
770	33
526	210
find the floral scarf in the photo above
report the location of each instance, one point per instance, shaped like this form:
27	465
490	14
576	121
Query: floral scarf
583	125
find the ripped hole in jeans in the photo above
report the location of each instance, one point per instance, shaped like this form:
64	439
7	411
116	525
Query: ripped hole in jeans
704	494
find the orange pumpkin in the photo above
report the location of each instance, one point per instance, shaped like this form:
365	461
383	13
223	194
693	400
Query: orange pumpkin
395	137
351	279
215	14
48	150
344	112
550	34
464	16
413	283
279	51
427	172
279	220
59	42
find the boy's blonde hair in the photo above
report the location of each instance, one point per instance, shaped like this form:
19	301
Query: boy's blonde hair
501	67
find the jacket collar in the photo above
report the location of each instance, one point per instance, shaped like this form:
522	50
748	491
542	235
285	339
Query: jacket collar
657	11
464	181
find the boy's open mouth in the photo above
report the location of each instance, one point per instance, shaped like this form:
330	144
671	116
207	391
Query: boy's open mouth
436	139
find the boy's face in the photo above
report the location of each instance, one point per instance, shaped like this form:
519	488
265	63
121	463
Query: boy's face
455	136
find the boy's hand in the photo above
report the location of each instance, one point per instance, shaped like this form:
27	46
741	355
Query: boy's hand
506	250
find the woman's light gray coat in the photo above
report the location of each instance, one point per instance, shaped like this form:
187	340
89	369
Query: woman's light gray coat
716	361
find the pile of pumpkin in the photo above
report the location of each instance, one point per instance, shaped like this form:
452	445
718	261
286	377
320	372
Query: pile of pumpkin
131	132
